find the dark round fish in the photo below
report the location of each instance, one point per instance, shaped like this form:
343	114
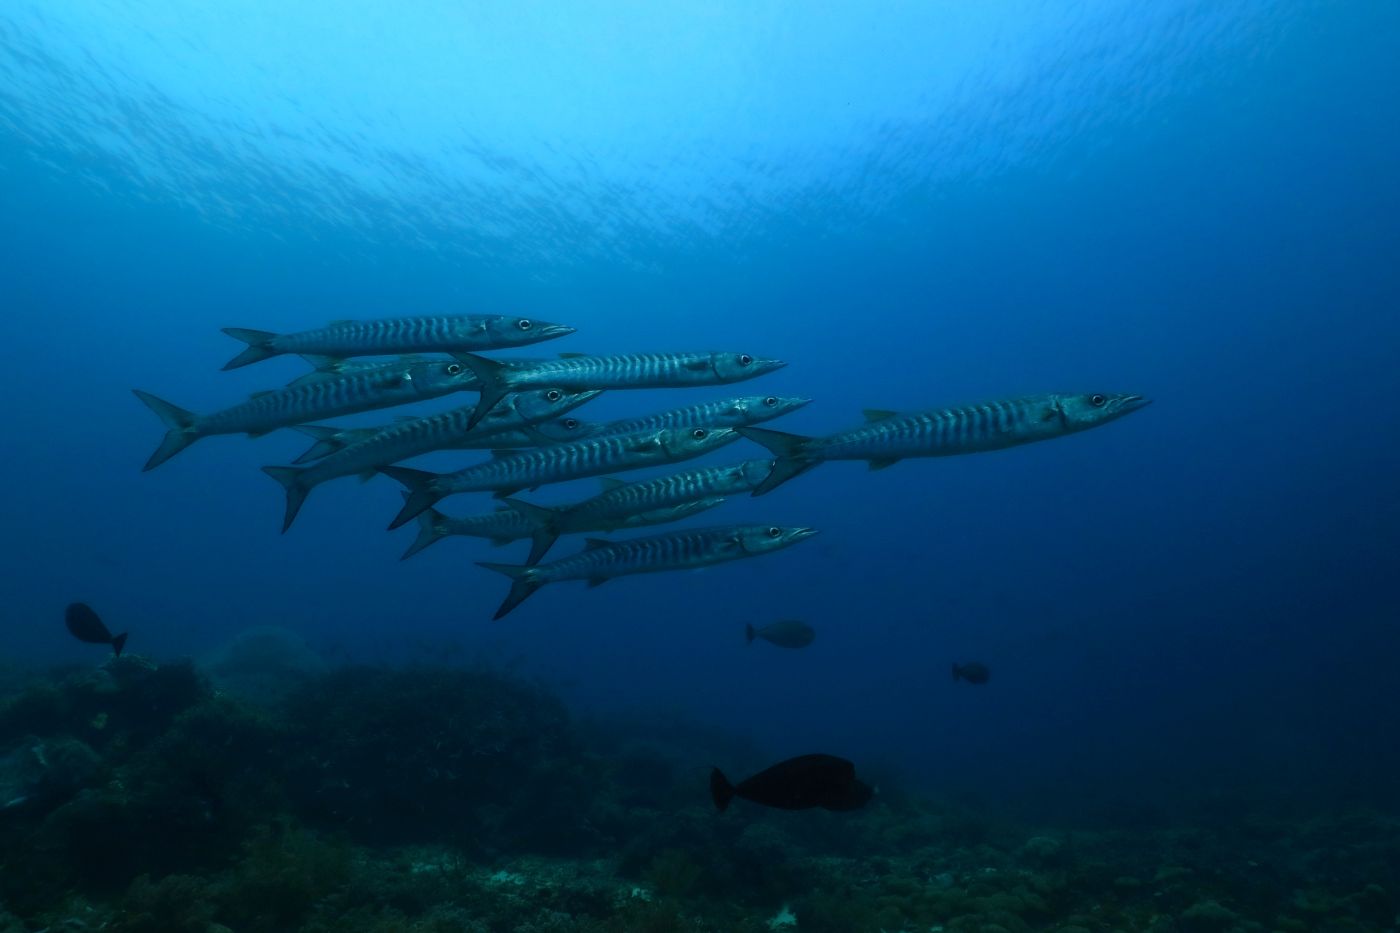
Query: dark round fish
85	626
797	784
789	633
973	673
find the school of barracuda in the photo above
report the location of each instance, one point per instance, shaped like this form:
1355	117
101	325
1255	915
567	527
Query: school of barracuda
523	416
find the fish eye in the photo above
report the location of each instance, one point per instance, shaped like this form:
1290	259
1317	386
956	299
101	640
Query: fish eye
1097	400
698	433
554	395
775	532
770	401
524	323
745	359
570	423
454	368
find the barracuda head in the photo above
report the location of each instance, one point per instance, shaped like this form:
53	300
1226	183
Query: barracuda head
683	443
1079	412
507	331
732	367
535	405
760	539
755	408
438	375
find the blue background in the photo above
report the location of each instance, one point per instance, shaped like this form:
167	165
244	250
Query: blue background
934	205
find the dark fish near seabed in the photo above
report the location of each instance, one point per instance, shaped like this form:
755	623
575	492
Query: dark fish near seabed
393	336
85	626
889	437
972	672
789	633
797	784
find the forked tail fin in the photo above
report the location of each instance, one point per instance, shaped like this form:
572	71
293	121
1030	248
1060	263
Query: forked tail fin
259	346
489	374
421	494
790	457
431	530
297	491
118	643
523	582
180	432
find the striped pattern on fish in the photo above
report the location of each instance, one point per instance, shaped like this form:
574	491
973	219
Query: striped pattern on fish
620	502
620	371
889	437
433	526
677	550
405	439
591	456
293	404
387	336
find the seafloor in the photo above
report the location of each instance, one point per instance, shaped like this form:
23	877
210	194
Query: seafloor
253	794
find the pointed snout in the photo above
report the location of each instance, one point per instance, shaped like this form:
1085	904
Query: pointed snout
800	534
1131	403
765	365
557	330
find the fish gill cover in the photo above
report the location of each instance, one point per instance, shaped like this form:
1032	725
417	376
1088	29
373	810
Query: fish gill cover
964	229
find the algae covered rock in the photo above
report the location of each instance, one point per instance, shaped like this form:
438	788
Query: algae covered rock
263	664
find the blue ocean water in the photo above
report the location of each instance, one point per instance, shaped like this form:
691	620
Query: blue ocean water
927	205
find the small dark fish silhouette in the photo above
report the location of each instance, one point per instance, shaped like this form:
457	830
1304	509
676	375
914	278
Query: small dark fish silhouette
973	673
789	633
86	626
797	784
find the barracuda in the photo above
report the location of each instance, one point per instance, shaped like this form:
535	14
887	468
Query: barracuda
593	456
510	524
620	502
677	550
551	431
390	336
623	371
889	437
406	439
323	398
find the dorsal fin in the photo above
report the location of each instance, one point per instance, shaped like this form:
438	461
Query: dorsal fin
878	414
592	544
572	356
610	483
264	392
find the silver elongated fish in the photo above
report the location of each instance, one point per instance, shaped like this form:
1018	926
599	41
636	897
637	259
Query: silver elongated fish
724	413
325	398
405	439
727	413
592	456
508	524
324	366
550	431
622	371
619	501
392	336
676	550
499	527
889	437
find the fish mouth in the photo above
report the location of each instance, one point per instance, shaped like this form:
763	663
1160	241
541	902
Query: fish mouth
1130	403
557	330
767	365
800	534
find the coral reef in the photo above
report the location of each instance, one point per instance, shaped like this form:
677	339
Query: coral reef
139	799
